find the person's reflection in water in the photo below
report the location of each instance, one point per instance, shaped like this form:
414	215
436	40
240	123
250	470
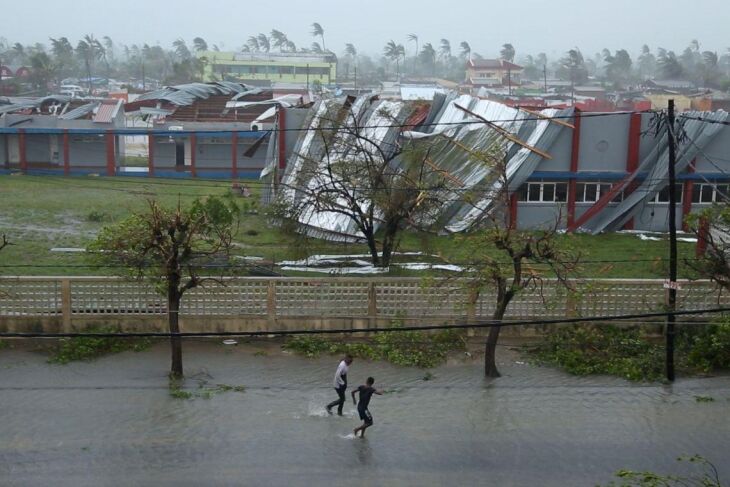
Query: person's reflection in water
364	452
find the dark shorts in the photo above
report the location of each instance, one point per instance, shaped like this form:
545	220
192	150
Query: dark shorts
365	416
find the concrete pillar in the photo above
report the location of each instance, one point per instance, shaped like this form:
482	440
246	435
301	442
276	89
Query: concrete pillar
234	155
23	156
66	154
574	158
111	160
193	154
66	304
271	304
372	305
150	155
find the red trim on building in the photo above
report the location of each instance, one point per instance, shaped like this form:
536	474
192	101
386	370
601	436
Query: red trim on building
574	158
687	190
66	154
632	158
282	141
234	155
150	155
111	163
513	210
22	150
193	153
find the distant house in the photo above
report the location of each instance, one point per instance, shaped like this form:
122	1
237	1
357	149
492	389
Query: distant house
492	72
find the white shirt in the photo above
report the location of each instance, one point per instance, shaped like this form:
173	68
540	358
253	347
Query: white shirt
341	370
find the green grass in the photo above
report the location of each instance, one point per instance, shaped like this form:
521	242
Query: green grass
42	212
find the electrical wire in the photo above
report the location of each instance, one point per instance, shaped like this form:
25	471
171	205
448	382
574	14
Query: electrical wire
351	331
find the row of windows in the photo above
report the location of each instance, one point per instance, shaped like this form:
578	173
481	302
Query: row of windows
280	70
550	192
710	193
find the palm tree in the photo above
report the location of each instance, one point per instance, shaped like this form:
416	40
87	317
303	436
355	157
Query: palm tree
669	65
710	65
414	38
508	52
264	42
445	49
428	56
43	70
465	50
63	52
199	44
181	49
394	52
19	53
253	43
279	39
350	50
88	50
316	48
318	31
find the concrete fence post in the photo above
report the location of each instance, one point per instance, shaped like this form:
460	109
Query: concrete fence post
271	303
471	310
372	305
571	305
66	304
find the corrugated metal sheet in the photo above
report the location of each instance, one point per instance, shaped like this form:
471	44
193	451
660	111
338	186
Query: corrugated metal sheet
107	110
79	112
447	132
656	166
187	94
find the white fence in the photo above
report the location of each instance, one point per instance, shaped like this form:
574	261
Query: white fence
338	297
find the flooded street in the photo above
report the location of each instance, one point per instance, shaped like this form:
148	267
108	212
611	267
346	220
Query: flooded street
113	422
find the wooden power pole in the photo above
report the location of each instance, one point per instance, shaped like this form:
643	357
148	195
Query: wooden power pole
672	301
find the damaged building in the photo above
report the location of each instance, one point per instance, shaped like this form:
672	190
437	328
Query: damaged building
588	171
209	130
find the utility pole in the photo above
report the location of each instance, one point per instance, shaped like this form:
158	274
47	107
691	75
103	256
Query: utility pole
356	77
509	82
307	78
544	75
672	301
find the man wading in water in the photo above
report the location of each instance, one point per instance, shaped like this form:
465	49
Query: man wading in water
340	384
366	392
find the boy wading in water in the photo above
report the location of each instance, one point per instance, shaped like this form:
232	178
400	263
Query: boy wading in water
340	384
366	392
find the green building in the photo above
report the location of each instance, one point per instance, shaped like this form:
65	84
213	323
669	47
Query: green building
277	67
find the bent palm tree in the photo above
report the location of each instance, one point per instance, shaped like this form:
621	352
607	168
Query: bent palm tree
465	50
318	31
414	38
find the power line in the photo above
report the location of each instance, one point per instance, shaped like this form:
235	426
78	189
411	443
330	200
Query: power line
350	331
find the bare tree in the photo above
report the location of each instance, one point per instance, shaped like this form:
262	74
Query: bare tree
166	248
507	261
4	242
380	188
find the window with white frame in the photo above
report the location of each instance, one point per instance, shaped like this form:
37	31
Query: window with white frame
662	196
594	191
710	193
543	192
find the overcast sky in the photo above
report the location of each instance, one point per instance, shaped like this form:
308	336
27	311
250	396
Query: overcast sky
532	26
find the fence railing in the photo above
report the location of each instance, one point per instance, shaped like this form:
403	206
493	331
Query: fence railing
353	298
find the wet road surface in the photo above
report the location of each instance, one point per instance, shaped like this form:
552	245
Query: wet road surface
113	422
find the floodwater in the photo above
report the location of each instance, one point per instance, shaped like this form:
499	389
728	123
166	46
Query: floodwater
112	422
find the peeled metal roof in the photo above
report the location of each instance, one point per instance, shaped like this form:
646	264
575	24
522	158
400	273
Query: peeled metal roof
79	112
187	94
656	165
379	122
